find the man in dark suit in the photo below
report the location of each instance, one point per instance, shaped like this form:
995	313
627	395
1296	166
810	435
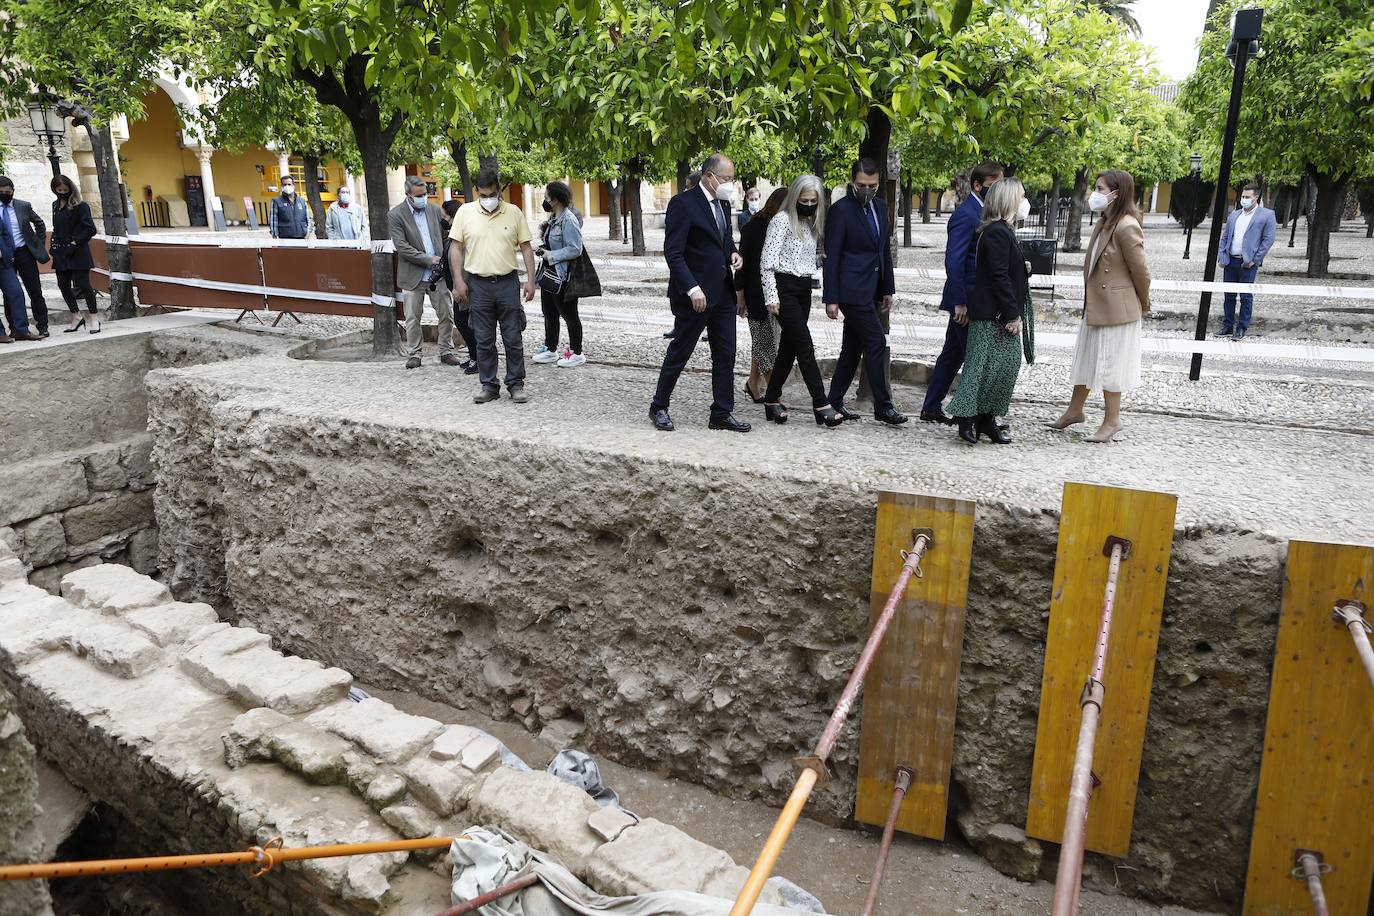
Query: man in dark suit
960	258
700	250
859	283
30	237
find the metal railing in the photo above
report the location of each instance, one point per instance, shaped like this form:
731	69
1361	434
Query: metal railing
154	214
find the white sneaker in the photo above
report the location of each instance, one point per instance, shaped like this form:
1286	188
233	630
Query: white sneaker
545	355
572	360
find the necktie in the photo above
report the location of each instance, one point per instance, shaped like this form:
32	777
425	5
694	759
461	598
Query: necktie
6	243
719	212
873	221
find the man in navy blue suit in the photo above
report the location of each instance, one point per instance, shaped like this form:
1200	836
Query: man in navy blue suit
700	249
859	282
960	259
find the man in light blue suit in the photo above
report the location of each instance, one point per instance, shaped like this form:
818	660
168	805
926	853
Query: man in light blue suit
1247	238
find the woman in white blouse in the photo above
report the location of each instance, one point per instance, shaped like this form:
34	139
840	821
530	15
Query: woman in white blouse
788	266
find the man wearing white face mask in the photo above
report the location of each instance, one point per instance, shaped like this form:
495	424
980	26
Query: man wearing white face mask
1247	238
753	203
345	220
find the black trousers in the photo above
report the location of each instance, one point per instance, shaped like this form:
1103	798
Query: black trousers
463	324
687	327
27	267
947	366
554	306
794	310
863	336
74	284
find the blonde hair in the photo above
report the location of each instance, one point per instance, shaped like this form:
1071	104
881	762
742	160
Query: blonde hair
1001	202
799	187
74	200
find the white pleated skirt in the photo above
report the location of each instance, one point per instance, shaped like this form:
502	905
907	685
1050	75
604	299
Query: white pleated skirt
1107	358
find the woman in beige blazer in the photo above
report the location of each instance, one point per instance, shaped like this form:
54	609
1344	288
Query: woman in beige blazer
1116	293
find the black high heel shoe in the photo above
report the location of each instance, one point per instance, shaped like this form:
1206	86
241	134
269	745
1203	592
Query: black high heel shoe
76	327
775	413
827	416
966	430
986	425
756	398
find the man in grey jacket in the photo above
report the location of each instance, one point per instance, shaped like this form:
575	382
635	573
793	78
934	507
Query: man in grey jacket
1247	238
345	219
414	227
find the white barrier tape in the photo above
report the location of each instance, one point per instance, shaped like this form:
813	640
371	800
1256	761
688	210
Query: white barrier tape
1041	281
382	300
383	246
119	275
113	239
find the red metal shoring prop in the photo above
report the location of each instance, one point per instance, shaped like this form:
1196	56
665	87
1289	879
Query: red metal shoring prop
476	903
903	780
1351	615
813	767
1310	868
1070	875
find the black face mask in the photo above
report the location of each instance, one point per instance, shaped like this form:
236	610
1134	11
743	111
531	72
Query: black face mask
863	195
548	207
64	194
807	209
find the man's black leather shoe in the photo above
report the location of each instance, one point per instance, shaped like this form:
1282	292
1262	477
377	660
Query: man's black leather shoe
729	422
661	420
936	416
890	416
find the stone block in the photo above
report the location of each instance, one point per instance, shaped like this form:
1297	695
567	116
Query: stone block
482	753
28	491
378	727
41	624
116	649
49	578
42	541
410	821
99	522
443	788
542	810
9	542
386	790
171	624
222	639
248	736
451	742
360	770
17	592
1010	851
143	546
313	688
365	884
610	821
112	589
13	570
654	856
104	470
138	461
315	754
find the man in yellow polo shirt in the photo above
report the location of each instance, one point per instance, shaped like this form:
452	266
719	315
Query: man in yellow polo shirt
486	234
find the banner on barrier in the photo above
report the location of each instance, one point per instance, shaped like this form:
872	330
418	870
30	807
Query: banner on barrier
202	268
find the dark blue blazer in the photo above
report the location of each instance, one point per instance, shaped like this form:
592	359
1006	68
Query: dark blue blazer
858	265
961	254
696	253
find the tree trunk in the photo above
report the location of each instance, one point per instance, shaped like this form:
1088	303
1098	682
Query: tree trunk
1052	212
488	161
112	207
876	143
614	211
459	152
1330	196
632	181
925	205
1073	232
312	192
375	146
906	215
684	168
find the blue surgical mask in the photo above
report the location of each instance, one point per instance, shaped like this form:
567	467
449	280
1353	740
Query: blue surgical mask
1247	202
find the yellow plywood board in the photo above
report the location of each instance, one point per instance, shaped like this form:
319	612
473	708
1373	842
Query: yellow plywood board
1316	788
912	690
1091	514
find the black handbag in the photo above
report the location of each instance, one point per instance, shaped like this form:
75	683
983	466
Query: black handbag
583	283
549	281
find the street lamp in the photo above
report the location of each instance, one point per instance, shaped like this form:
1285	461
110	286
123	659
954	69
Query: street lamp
48	125
1194	175
1244	44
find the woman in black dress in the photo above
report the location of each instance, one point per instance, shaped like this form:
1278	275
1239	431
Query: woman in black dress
763	327
72	231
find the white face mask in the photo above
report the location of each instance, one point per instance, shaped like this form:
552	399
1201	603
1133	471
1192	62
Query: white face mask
490	204
725	190
755	206
288	189
344	197
1097	201
1023	209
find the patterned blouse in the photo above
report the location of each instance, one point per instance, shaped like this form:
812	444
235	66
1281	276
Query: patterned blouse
784	253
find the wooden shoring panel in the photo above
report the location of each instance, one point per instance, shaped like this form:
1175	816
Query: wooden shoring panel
1316	786
912	691
1090	514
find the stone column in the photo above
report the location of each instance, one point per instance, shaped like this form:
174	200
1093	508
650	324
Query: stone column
587	199
213	208
283	168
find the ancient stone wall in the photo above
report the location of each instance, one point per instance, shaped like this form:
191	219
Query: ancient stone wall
206	739
689	616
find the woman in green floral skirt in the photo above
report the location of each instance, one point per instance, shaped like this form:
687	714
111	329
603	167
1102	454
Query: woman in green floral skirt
997	314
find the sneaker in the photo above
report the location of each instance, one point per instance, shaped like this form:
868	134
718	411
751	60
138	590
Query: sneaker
469	367
572	360
545	356
1240	333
